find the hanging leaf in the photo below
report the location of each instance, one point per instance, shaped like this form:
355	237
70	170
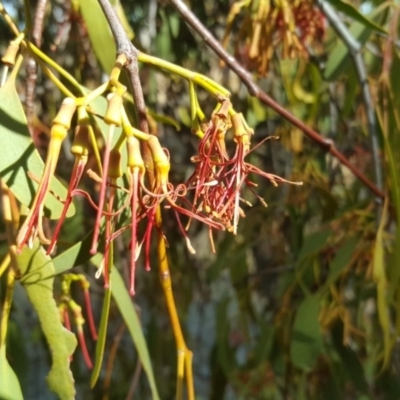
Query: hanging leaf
19	156
62	342
391	142
339	60
129	314
99	33
353	13
102	335
349	361
10	388
315	242
307	342
342	259
379	275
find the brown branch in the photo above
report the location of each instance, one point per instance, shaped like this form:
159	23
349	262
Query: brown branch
255	91
37	28
124	46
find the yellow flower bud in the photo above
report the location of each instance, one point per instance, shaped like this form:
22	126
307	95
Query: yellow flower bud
113	113
114	168
80	144
11	53
65	113
241	131
135	159
58	132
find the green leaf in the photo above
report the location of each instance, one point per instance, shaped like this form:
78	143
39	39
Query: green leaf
390	143
341	259
307	343
62	343
349	360
19	156
102	335
74	256
353	13
129	314
225	356
315	242
101	341
10	388
379	275
339	60
99	33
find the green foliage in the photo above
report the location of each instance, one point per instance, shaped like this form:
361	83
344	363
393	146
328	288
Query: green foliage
100	38
303	302
9	385
307	342
61	342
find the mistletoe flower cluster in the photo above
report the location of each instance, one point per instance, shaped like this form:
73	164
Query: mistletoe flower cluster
213	195
290	26
219	179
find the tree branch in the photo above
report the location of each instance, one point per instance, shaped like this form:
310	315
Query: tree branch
355	51
255	91
124	46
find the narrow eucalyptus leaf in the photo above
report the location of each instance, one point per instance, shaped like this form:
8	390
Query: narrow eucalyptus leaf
10	388
62	342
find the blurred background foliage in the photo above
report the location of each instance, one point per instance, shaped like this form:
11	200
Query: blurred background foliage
303	303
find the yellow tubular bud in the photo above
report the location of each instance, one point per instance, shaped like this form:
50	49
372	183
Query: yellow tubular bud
65	113
113	113
114	168
241	129
58	132
11	53
81	140
160	159
83	116
135	159
120	89
223	109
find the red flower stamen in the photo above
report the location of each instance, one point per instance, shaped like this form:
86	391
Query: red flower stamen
79	167
135	176
99	215
89	311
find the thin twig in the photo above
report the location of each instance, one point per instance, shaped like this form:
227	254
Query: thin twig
355	51
111	358
37	29
9	20
135	381
255	91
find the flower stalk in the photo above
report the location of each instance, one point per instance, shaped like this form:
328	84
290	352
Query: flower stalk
32	226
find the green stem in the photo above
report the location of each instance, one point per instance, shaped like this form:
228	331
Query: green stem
38	53
201	80
54	79
9	20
